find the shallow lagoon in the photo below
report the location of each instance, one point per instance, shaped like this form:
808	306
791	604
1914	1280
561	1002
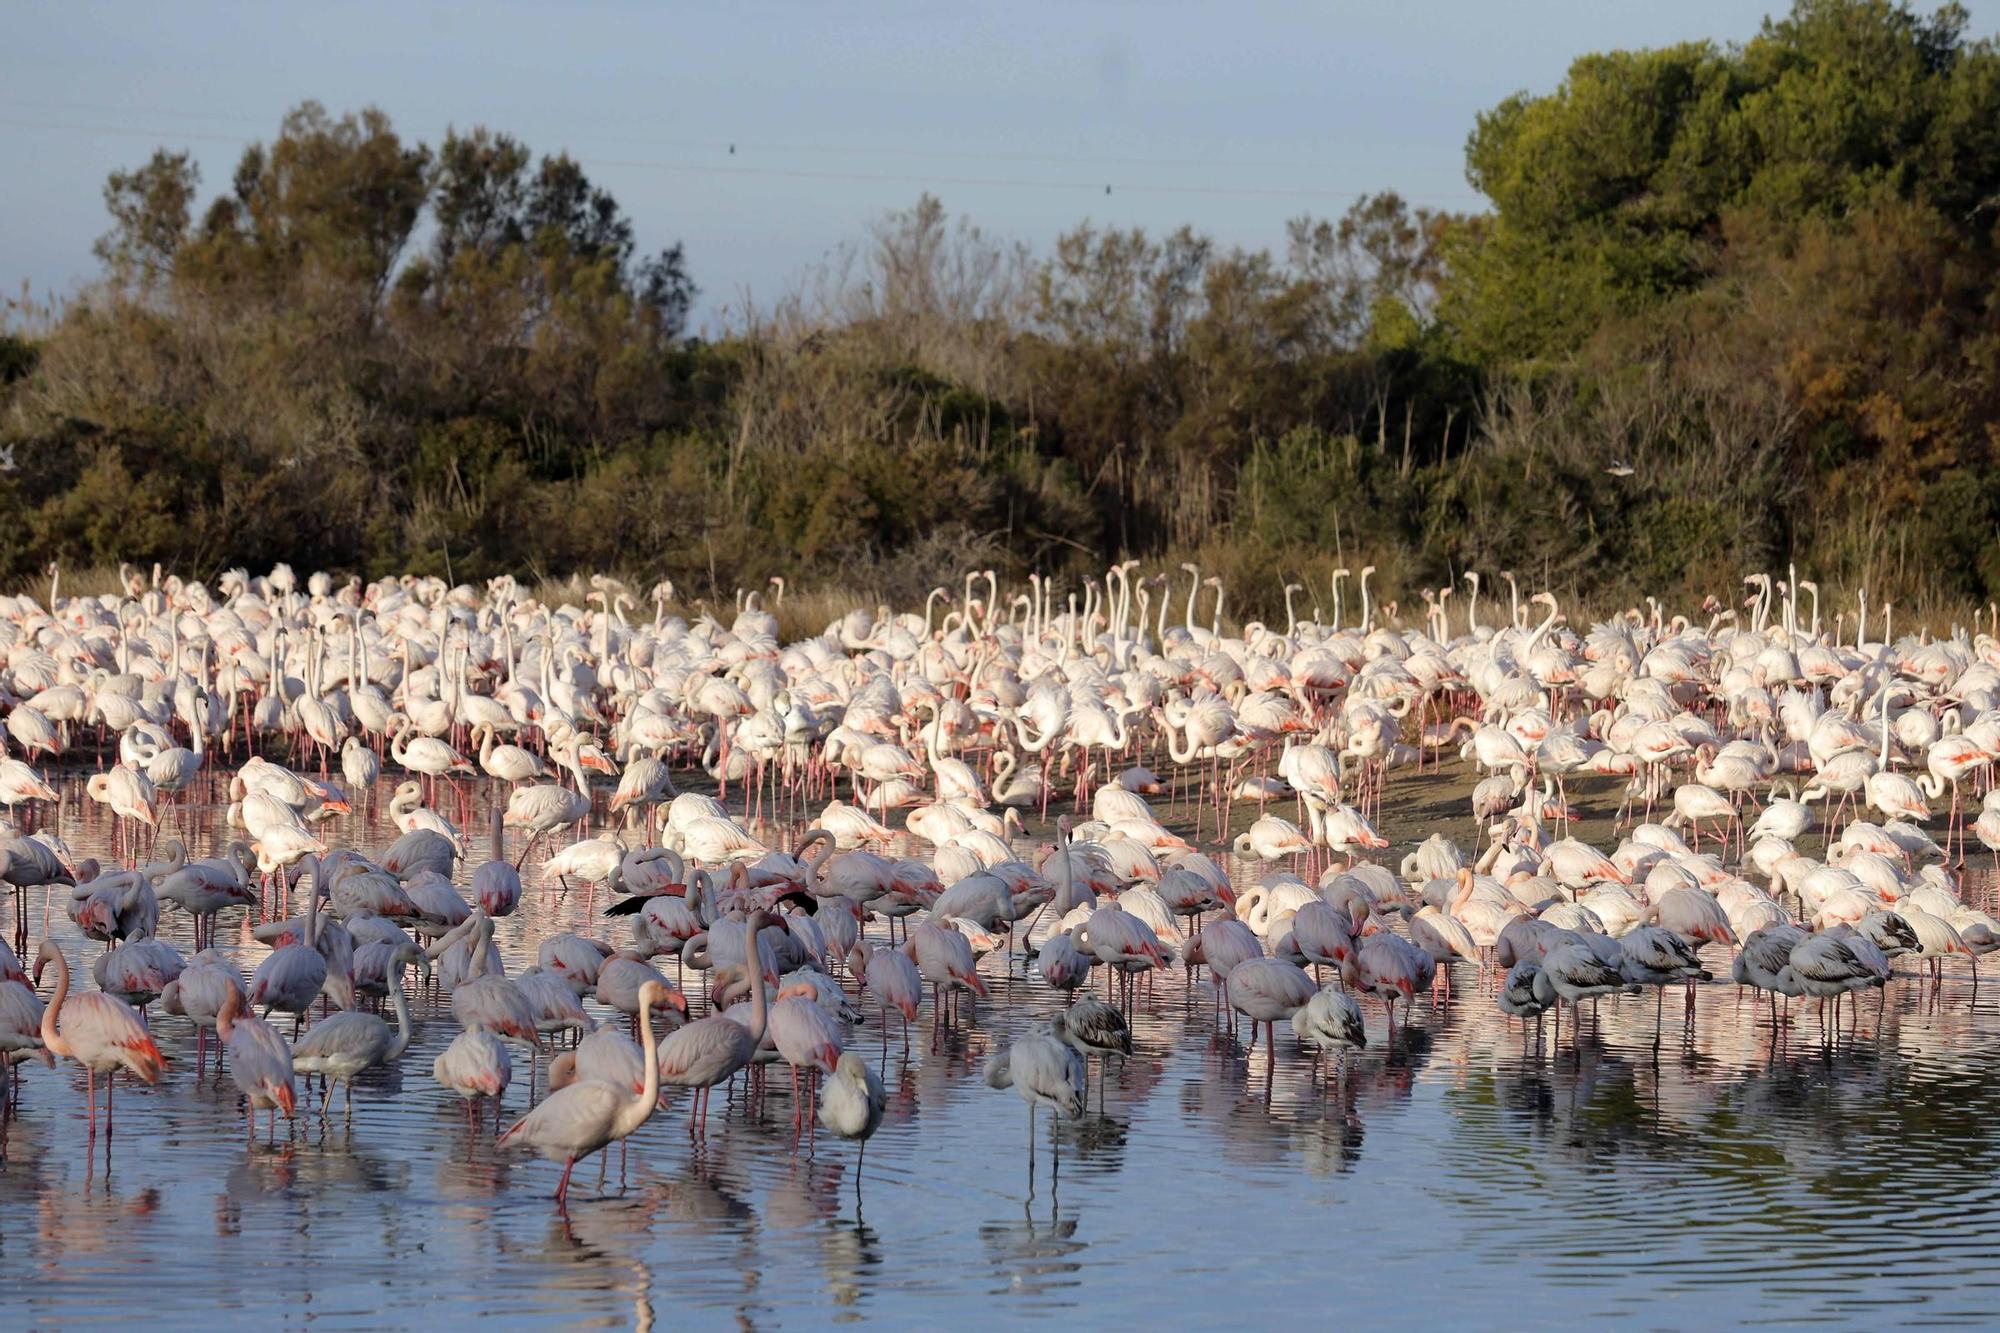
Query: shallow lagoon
1459	1173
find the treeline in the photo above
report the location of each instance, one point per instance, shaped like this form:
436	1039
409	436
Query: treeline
1731	306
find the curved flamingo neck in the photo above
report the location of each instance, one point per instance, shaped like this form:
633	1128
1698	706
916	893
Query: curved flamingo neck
1066	895
225	1017
571	761
475	966
1118	735
759	1006
51	1035
816	866
402	1004
1021	734
635	1112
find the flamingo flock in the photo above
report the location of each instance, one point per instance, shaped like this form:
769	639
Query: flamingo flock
1772	778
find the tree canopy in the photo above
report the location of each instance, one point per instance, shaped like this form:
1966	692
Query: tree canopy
1762	276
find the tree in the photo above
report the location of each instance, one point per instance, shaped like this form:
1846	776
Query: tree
149	209
565	210
479	188
1611	193
667	291
326	210
1379	250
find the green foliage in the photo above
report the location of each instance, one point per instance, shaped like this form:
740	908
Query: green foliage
149	211
1762	276
17	357
1611	192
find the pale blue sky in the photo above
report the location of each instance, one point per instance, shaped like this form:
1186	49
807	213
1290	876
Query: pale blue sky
1231	117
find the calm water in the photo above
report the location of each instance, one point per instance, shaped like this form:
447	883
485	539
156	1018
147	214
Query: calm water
1457	1175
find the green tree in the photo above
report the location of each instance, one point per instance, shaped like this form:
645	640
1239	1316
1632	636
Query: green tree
150	207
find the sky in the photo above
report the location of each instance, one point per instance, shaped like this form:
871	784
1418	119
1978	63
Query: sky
1229	117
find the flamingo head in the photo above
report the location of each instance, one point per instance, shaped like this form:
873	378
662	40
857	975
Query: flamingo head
47	954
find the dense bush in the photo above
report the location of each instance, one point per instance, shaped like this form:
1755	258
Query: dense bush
1762	278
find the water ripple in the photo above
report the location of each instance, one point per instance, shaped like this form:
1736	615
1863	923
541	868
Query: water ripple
1739	1176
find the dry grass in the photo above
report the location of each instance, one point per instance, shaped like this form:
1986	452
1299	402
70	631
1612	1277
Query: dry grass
806	612
94	581
800	615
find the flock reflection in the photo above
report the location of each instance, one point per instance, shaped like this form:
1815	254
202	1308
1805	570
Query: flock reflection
1744	1171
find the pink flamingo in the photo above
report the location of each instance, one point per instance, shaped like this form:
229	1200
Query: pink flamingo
711	1050
944	959
1266	990
1384	966
582	1118
259	1062
806	1037
892	979
99	1032
475	1065
292	977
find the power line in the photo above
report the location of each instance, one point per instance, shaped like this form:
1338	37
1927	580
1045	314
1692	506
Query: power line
834	174
1019	183
823	150
130	133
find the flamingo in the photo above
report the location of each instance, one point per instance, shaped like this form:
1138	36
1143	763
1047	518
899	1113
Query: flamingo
806	1037
1658	958
360	767
711	1050
507	763
1574	972
260	1064
342	1045
851	1103
541	809
1343	828
99	1032
1045	1071
426	756
1523	996
581	1119
291	978
893	980
1331	1021
20	784
1827	967
20	1033
1266	990
1271	838
128	792
943	958
475	1065
1092	1027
